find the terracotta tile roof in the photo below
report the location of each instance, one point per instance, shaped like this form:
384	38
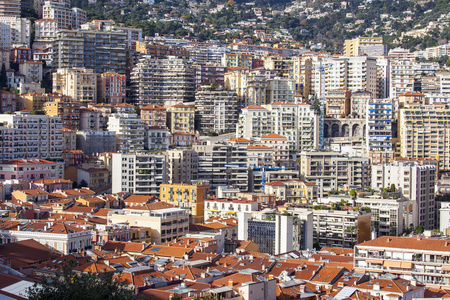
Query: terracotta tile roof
333	258
282	103
328	274
338	251
182	106
408	243
307	271
124	246
166	251
273	136
33	192
26	252
237	280
139	198
396	285
151	106
53	181
412	94
95	267
254	107
239	140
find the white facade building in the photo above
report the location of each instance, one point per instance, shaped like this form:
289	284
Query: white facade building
138	173
226	207
14	31
129	130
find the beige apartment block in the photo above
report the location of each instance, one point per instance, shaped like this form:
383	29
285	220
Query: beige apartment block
79	83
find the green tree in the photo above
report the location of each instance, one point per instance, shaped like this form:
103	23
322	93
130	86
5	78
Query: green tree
419	229
3	78
352	193
83	183
392	188
71	286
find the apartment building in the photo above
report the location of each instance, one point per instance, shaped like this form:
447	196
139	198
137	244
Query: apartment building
340	228
29	169
30	136
208	74
223	165
372	46
228	207
134	35
67	110
390	216
292	190
157	138
416	182
153	115
297	122
411	98
274	150
333	170
21	55
61	237
182	165
350	73
32	70
61	12
166	223
129	130
424	260
358	103
9	102
189	196
160	51
10	8
111	88
162	81
44	33
379	118
69	137
383	77
97	50
36	101
273	233
233	60
93	120
138	173
215	110
181	117
401	77
337	103
93	142
424	133
78	83
14	31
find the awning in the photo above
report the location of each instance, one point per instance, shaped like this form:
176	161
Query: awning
445	268
215	210
375	261
394	264
231	212
406	265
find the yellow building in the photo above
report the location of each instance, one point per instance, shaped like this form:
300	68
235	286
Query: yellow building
188	196
181	117
233	60
66	109
292	190
353	47
35	101
424	132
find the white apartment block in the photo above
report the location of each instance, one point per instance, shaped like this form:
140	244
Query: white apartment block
182	165
444	79
401	77
383	77
45	33
422	260
216	110
333	170
416	182
138	173
274	234
164	82
389	216
350	73
297	122
226	207
57	236
280	89
14	31
31	136
157	138
78	83
166	223
63	14
133	34
358	103
129	130
379	117
32	71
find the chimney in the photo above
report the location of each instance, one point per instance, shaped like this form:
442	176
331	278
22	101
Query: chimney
230	283
376	286
413	282
270	277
